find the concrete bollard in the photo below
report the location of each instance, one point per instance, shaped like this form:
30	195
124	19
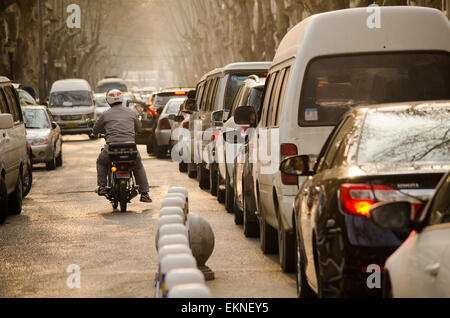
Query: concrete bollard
168	229
201	242
172	239
170	219
189	291
171	202
174	261
182	276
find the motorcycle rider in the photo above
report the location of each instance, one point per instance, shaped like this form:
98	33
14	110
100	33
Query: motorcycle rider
119	124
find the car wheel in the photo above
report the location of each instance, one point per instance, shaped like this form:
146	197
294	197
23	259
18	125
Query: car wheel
192	170
303	288
3	200
161	151
202	177
238	215
51	165
268	237
28	179
59	159
251	228
182	167
16	198
213	179
229	195
220	191
286	248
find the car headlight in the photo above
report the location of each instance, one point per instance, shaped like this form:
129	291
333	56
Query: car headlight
38	141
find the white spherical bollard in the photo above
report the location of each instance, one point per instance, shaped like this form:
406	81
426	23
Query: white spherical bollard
171	211
173	202
189	291
179	190
170	219
174	261
182	276
172	239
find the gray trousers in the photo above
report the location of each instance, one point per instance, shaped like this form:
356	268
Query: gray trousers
139	172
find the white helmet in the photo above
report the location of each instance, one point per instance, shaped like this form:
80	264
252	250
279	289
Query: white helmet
114	96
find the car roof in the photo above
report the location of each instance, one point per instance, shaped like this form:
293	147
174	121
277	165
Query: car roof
346	31
401	106
172	90
111	80
72	84
247	66
4	79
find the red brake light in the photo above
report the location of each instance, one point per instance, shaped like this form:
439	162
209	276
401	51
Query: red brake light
180	93
186	125
164	124
288	150
359	198
153	111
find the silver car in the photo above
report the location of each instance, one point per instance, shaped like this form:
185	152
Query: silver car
163	130
44	135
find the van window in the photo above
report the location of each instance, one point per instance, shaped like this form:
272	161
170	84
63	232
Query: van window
237	98
198	97
106	87
3	106
267	97
332	85
13	104
205	96
212	92
277	112
70	99
233	85
273	98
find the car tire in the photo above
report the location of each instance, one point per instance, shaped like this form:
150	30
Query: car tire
251	228
303	288
238	215
182	167
161	151
202	177
213	179
286	248
229	195
16	199
268	237
192	170
51	165
149	148
28	179
3	200
59	159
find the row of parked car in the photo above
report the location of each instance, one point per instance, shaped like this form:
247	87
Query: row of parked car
332	152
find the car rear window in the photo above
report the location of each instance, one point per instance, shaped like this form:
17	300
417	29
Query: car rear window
233	85
332	85
417	134
105	88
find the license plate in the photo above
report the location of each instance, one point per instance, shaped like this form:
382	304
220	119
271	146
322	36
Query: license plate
71	125
123	175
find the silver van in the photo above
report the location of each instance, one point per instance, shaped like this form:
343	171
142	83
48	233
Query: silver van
72	106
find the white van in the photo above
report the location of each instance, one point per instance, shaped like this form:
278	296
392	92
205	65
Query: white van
325	65
72	106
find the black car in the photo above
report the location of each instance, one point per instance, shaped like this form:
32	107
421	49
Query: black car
383	153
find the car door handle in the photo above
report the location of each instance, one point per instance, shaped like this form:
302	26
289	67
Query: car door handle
433	269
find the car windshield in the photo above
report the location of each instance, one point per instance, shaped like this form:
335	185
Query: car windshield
101	102
70	99
332	85
417	134
35	118
106	87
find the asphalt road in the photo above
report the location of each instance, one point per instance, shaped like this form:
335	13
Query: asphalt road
64	222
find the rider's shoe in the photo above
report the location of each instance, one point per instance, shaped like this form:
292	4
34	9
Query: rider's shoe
145	198
102	191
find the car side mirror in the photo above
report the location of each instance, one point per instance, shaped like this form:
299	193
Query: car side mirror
54	125
179	118
171	117
6	121
396	216
297	165
245	115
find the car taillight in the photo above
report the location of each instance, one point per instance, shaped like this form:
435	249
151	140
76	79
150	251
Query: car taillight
288	150
152	111
217	134
359	198
180	93
164	124
185	125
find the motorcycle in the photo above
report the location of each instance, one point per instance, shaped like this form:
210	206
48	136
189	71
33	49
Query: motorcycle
121	184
